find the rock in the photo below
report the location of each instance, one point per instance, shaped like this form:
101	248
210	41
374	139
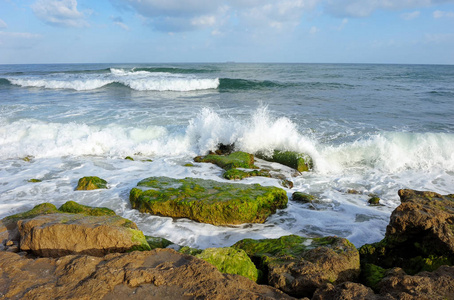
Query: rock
374	200
75	208
34	180
207	201
231	261
236	174
156	274
157	242
303	197
425	285
234	160
299	161
91	183
344	291
298	266
46	231
419	236
224	149
129	158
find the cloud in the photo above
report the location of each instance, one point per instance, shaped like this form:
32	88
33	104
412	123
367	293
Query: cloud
187	15
118	21
410	15
364	8
59	13
443	14
3	24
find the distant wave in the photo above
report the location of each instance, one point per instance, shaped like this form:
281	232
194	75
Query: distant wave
173	70
4	81
243	84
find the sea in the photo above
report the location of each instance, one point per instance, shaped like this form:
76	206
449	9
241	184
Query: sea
371	129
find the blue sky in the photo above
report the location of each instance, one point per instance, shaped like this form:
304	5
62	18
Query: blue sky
308	31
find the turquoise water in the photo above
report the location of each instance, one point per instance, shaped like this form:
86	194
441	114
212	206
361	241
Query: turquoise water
373	128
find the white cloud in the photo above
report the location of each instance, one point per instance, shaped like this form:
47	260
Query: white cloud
410	15
3	24
342	25
118	21
364	8
59	13
443	14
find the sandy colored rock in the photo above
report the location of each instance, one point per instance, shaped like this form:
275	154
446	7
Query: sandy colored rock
156	274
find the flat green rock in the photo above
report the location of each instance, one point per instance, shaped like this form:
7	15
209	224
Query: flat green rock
299	161
235	160
91	183
207	201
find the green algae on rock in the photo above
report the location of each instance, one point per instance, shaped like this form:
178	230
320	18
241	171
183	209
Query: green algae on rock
76	208
298	265
303	197
299	161
236	174
207	201
157	242
231	261
234	160
91	183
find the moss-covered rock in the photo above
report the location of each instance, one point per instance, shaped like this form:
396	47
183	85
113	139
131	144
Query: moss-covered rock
207	201
76	208
236	174
234	160
374	200
371	275
34	180
299	161
129	158
91	183
231	261
419	237
47	231
303	197
190	251
298	265
157	242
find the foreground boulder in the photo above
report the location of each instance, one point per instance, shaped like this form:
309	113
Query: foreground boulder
207	201
48	231
419	237
234	160
156	274
298	266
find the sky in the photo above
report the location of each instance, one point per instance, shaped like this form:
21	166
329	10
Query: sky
159	31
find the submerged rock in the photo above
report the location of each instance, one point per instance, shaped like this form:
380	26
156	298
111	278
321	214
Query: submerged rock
207	201
236	174
299	161
303	197
298	265
157	242
156	274
91	183
234	160
47	231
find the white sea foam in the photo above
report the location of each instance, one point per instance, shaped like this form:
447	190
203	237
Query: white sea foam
139	80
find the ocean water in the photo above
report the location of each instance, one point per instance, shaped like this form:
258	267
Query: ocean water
372	128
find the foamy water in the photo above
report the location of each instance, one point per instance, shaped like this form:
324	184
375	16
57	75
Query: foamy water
72	123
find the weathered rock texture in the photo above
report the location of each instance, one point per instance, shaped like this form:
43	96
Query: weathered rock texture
91	183
298	161
298	266
156	274
234	160
207	201
420	234
46	231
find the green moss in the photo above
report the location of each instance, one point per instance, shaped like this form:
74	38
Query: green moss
34	180
75	208
129	158
235	160
207	201
374	199
235	174
189	250
302	197
371	275
299	161
231	261
138	238
157	242
91	183
27	158
40	209
188	165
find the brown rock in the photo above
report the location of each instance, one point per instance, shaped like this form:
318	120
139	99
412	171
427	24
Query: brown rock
344	291
62	234
156	274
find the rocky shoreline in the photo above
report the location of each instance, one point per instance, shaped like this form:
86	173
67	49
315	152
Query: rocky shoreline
82	252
